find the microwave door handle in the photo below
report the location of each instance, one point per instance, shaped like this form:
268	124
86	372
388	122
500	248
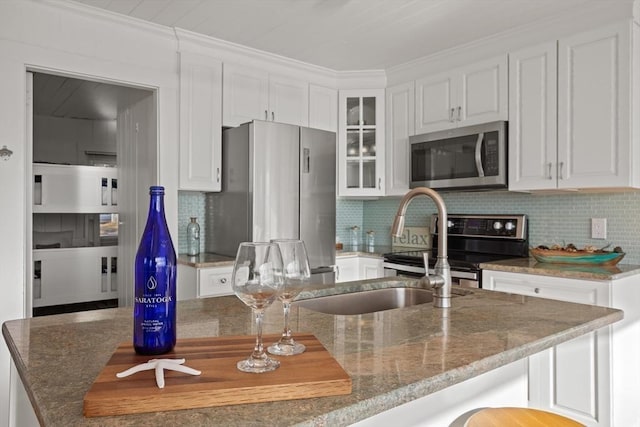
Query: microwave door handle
479	155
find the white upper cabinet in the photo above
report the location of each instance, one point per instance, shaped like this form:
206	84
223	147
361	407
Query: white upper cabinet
361	143
323	108
594	108
200	122
254	94
245	95
594	143
400	121
468	95
533	118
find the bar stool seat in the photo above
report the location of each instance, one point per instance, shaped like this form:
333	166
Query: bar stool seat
512	417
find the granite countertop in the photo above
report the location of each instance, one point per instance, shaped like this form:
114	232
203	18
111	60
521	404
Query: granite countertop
204	260
393	356
567	271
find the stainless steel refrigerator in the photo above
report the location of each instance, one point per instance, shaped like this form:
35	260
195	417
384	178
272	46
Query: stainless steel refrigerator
278	181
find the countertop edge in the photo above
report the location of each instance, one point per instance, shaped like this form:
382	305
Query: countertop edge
375	405
22	372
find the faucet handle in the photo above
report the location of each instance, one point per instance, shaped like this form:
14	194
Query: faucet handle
425	259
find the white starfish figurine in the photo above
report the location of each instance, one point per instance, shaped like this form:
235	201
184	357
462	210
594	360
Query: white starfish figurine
160	365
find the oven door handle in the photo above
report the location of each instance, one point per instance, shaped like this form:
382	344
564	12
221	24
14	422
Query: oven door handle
464	275
479	154
401	267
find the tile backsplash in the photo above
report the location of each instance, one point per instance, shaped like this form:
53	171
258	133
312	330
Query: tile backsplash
553	218
190	203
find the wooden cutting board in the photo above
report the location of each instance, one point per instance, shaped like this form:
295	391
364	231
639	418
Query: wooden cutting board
314	373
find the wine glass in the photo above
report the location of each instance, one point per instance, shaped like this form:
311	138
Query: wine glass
296	275
257	280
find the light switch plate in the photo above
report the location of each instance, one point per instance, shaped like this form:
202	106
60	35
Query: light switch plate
598	228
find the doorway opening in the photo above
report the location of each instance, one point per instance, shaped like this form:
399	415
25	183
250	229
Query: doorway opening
93	145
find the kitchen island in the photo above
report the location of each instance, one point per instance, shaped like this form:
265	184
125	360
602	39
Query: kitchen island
393	357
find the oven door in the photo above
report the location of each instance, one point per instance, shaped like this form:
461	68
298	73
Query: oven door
470	157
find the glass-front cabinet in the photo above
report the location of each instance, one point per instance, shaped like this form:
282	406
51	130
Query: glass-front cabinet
361	143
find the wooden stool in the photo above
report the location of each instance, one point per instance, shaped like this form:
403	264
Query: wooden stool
512	417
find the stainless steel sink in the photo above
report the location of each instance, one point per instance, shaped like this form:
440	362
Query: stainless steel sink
368	301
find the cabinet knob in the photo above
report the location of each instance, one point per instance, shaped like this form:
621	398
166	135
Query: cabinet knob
459	114
536	290
223	280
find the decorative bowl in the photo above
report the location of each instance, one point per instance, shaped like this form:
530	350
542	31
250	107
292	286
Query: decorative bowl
577	257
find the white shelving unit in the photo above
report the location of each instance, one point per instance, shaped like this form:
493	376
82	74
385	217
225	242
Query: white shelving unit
72	262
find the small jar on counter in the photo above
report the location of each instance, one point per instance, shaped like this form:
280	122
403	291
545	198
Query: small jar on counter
371	240
193	237
355	236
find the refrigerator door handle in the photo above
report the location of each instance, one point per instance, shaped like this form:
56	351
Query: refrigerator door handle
306	160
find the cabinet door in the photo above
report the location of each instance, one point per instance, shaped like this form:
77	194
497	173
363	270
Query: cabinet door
215	281
481	92
245	95
370	268
187	287
594	108
533	118
323	108
200	122
288	101
435	98
400	126
347	269
361	144
572	378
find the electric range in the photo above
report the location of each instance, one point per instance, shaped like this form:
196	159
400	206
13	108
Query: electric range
472	240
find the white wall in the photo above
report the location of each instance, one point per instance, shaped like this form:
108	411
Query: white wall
55	38
65	140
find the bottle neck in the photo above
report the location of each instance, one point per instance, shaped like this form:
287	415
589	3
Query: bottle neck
156	205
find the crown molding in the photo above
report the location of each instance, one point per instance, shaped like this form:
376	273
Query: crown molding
108	16
571	22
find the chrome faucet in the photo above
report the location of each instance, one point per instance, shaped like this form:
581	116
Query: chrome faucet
441	280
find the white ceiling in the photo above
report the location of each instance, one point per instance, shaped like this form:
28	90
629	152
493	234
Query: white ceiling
60	96
345	34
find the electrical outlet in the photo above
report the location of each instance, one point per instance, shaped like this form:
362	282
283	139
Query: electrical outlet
598	228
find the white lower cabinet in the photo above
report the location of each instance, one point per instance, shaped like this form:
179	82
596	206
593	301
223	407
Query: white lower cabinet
204	282
356	267
589	378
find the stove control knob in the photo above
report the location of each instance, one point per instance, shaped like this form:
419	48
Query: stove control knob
497	225
449	224
509	226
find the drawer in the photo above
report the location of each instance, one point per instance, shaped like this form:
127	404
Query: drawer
214	281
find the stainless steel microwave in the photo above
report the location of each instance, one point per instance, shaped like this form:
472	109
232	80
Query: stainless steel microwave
472	157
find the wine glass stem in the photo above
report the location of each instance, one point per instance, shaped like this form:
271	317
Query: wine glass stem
287	307
258	350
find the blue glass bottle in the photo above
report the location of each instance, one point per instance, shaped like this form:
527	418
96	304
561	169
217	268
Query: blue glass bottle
154	308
